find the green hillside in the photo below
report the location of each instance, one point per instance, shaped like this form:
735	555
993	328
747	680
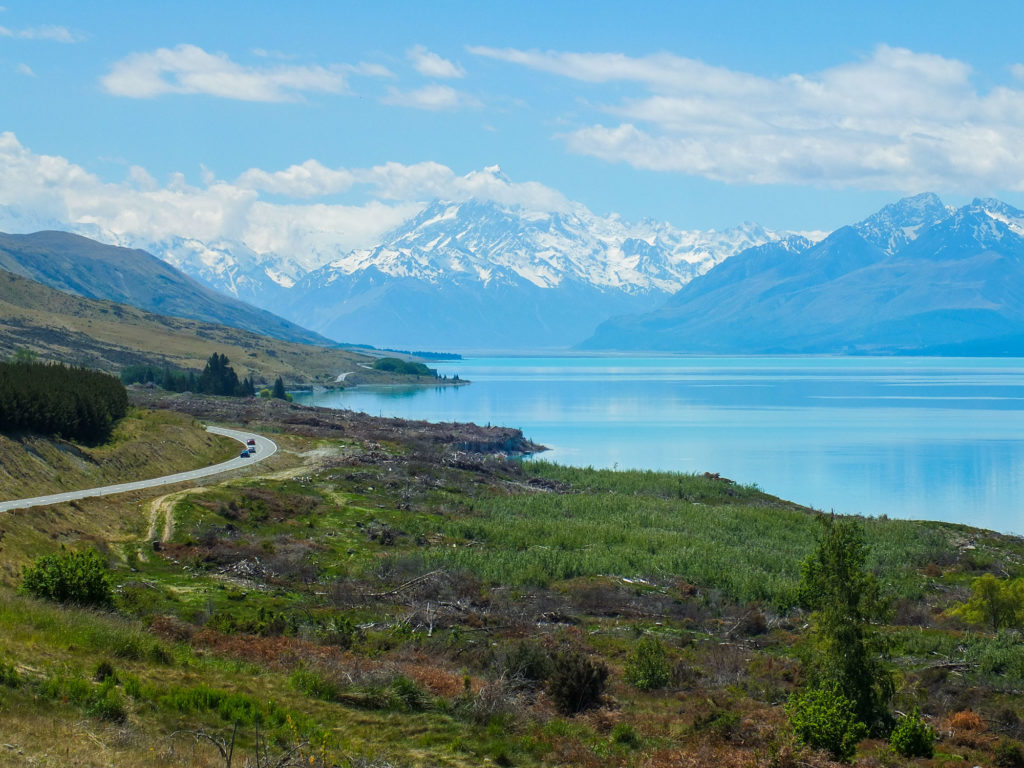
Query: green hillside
109	336
84	267
369	602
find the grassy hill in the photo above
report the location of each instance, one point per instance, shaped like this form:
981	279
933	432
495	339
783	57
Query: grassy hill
109	336
380	596
84	267
144	444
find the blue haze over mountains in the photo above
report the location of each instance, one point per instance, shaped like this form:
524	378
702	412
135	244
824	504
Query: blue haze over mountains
916	277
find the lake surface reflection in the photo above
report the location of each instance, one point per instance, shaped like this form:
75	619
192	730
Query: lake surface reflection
931	438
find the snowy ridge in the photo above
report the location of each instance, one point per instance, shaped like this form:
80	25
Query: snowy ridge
901	222
484	242
997	210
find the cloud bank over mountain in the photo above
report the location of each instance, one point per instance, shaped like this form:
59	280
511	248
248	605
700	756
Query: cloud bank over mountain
282	211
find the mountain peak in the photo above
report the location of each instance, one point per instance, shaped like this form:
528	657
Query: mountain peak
901	222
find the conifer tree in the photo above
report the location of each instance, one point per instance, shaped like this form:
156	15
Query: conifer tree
845	600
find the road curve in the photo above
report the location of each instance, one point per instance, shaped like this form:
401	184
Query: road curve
265	448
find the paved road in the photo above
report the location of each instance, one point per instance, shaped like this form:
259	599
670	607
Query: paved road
265	448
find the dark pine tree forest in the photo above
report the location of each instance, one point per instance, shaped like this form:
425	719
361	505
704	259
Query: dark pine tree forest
53	399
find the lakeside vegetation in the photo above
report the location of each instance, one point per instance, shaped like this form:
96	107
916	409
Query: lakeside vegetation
402	603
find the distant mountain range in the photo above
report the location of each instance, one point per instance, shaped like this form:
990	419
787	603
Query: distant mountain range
480	275
916	277
472	274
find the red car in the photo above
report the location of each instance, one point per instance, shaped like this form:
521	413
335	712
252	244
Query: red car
250	441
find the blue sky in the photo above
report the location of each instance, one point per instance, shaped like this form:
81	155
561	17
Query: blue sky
244	119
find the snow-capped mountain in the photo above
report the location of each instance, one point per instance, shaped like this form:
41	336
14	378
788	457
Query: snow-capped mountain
915	277
898	223
475	273
231	267
487	242
478	274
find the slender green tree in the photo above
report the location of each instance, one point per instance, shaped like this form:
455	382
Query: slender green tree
279	391
999	603
845	603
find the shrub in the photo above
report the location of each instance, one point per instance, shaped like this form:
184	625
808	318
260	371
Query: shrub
576	682
9	676
1008	754
107	704
912	736
966	720
314	684
626	735
527	663
102	701
104	671
412	697
409	368
721	723
81	578
824	718
647	667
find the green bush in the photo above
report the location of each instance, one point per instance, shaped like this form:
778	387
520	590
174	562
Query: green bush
722	723
81	578
314	684
527	663
9	676
411	696
647	667
102	701
626	735
408	368
824	718
576	682
912	736
1008	754
107	704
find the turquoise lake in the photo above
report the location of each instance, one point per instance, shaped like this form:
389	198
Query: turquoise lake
919	438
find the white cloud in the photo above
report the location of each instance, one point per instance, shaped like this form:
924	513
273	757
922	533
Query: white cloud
430	64
45	188
400	182
432	97
188	69
311	179
1017	70
368	69
52	33
25	69
895	120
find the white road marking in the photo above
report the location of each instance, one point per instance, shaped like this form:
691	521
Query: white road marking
265	448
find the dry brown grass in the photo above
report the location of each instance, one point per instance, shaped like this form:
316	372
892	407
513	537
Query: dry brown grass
56	739
964	728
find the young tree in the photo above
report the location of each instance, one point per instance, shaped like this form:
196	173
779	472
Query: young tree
844	598
279	389
996	602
